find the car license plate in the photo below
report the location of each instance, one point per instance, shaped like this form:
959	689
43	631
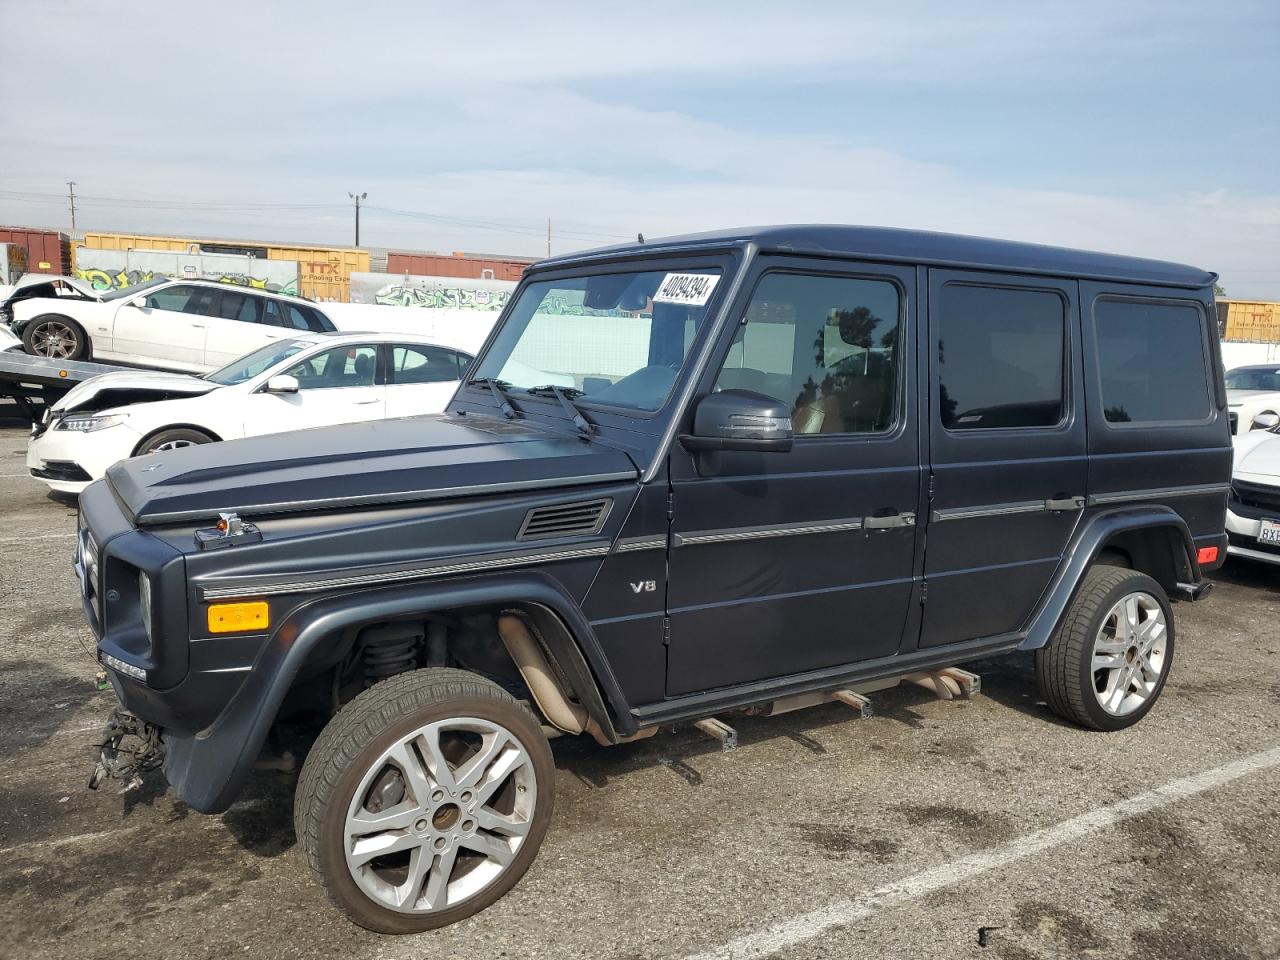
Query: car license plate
1269	532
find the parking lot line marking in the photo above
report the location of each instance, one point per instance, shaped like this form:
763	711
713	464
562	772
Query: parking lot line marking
788	933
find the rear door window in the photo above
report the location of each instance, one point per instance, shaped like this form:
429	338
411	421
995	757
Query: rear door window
1151	359
418	363
240	306
1000	357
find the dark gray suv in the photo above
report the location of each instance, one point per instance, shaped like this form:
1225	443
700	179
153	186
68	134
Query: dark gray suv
745	470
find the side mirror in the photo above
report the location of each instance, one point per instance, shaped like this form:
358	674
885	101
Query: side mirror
740	420
139	302
1265	421
282	383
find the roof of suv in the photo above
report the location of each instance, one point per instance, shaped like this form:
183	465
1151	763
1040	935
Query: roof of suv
920	246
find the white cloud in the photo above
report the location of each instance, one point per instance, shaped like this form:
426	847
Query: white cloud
507	122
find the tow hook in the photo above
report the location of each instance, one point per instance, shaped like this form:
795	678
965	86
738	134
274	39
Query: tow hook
127	764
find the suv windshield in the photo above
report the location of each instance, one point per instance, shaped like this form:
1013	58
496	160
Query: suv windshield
238	371
617	339
1254	380
136	288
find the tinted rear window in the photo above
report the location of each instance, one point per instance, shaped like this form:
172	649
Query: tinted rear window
1151	360
1000	357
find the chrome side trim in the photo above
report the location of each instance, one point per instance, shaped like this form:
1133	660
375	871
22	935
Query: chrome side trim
1159	493
988	510
772	530
443	569
636	544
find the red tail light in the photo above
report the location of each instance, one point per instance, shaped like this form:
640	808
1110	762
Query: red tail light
1207	555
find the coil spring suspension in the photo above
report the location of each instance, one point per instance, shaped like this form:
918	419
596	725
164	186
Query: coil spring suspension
385	656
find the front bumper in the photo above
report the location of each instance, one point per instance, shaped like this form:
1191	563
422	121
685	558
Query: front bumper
68	460
1242	534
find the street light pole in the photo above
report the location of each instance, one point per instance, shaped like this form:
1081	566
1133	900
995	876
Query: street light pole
357	198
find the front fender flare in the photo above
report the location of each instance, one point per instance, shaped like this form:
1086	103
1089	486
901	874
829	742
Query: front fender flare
1085	546
209	769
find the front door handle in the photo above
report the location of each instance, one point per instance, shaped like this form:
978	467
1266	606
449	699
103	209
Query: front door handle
892	520
1060	504
362	403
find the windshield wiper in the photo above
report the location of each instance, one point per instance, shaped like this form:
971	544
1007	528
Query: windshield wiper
585	426
495	387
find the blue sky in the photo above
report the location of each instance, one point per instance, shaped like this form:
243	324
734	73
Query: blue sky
1145	128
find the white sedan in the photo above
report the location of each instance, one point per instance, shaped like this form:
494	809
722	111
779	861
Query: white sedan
188	325
1253	397
309	380
1253	510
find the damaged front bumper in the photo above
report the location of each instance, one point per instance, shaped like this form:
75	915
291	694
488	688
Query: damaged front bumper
127	748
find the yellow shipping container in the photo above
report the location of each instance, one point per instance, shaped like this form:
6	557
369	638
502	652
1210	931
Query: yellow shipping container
324	273
1256	321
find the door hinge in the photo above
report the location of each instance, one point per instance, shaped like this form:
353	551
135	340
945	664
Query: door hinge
666	631
931	486
924	591
671	505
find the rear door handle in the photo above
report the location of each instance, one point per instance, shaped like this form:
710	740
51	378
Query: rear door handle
361	403
1064	503
892	520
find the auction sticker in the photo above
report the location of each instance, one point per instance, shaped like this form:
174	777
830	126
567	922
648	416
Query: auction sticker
692	289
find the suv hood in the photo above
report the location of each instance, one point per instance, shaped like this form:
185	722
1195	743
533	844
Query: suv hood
124	387
361	464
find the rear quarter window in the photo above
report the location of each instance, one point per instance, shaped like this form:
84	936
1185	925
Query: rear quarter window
1151	361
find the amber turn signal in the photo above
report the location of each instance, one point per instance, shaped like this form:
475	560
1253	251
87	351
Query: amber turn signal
239	617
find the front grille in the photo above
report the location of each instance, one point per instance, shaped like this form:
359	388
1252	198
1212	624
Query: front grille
564	520
1256	495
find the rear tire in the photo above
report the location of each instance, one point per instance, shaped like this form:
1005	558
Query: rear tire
444	770
1108	662
54	336
172	440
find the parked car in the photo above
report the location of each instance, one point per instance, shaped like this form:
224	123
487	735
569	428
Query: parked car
188	325
1253	510
780	475
1253	397
308	380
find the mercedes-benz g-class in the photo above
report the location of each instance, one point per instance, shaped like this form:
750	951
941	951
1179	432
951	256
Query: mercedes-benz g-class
742	470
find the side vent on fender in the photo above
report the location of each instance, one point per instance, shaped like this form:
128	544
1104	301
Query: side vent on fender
564	520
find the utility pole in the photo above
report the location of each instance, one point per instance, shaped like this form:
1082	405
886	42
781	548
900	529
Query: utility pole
548	236
357	198
71	193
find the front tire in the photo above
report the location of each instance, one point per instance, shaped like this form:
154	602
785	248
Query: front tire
1109	661
54	336
424	800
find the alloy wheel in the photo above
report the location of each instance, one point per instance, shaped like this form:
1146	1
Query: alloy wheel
1129	654
439	816
54	339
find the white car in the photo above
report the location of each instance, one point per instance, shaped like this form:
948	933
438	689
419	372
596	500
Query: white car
1253	510
187	325
1253	397
309	380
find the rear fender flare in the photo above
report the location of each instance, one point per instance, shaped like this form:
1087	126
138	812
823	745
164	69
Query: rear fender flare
209	769
1090	539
